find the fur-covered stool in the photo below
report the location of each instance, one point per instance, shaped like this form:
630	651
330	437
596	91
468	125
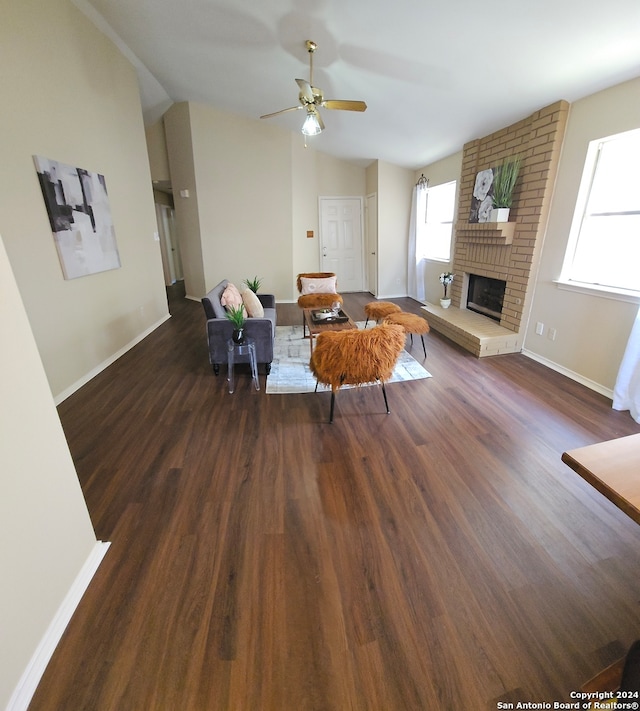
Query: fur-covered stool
377	310
411	324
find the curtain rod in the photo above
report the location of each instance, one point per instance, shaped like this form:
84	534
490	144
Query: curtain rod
422	182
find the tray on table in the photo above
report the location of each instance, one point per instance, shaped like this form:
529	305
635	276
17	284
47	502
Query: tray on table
326	316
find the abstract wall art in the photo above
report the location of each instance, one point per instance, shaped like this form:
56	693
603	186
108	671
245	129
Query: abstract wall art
80	217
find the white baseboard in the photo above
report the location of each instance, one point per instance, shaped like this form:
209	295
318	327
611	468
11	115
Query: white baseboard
24	691
591	384
381	297
106	363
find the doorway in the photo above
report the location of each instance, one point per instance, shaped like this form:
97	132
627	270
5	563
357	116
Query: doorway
341	243
171	264
371	212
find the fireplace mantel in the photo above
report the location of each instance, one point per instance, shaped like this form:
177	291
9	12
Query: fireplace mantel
485	232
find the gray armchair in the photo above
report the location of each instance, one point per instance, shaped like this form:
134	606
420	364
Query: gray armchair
219	329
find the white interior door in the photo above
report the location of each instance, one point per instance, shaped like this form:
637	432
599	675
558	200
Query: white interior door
341	243
371	212
171	263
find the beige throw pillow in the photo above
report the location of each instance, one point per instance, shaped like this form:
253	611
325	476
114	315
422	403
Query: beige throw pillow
325	285
252	304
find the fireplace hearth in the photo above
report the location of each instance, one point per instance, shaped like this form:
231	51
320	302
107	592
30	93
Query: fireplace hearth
485	296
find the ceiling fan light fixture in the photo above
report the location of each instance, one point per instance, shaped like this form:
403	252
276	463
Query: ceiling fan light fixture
311	125
311	98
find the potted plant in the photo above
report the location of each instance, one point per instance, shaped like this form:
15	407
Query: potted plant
504	182
237	316
445	279
253	284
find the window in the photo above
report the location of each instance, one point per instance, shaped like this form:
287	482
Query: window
439	205
604	243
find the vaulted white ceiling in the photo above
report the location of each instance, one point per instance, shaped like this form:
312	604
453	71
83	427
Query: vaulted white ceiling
433	74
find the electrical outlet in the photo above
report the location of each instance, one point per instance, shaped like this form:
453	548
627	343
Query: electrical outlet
539	328
552	334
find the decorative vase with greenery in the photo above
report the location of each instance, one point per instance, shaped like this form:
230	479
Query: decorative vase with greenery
504	182
445	279
237	316
253	284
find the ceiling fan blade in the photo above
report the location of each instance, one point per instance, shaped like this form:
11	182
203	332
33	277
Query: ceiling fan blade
305	90
282	111
344	105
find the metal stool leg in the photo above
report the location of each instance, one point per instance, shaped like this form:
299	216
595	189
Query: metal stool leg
333	401
384	394
423	347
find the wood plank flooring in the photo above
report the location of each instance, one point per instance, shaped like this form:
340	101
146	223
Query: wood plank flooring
440	557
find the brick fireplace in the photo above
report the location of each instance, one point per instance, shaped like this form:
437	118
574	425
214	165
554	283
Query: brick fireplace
505	251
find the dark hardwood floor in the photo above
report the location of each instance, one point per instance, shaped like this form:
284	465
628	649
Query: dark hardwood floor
440	557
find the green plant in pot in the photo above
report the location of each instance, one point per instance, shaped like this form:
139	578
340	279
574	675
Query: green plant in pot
253	284
237	316
504	182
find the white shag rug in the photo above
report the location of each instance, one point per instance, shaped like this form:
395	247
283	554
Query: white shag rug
290	371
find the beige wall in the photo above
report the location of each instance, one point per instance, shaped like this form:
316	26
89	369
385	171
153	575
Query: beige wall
243	177
304	210
443	171
45	531
74	98
592	331
157	150
177	123
395	187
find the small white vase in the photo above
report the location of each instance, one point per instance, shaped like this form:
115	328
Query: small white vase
445	303
500	214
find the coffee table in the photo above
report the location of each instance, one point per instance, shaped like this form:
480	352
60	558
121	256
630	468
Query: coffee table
316	327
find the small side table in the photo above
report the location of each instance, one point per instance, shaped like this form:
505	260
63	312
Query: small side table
248	346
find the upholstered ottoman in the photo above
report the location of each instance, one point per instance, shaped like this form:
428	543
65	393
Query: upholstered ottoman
411	324
377	310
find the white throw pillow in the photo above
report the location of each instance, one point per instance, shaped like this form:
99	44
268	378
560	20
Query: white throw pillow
324	285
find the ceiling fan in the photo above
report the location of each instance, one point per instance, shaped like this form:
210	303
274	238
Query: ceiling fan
311	99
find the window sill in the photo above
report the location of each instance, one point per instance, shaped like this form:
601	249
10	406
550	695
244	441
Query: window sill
606	292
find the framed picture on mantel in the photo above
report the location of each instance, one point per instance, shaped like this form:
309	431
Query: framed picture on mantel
482	200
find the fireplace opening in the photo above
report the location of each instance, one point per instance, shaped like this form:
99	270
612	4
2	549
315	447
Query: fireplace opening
485	296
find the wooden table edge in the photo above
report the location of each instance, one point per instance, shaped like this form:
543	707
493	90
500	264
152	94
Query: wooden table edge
602	487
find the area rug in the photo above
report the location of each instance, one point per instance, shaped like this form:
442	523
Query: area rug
290	371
